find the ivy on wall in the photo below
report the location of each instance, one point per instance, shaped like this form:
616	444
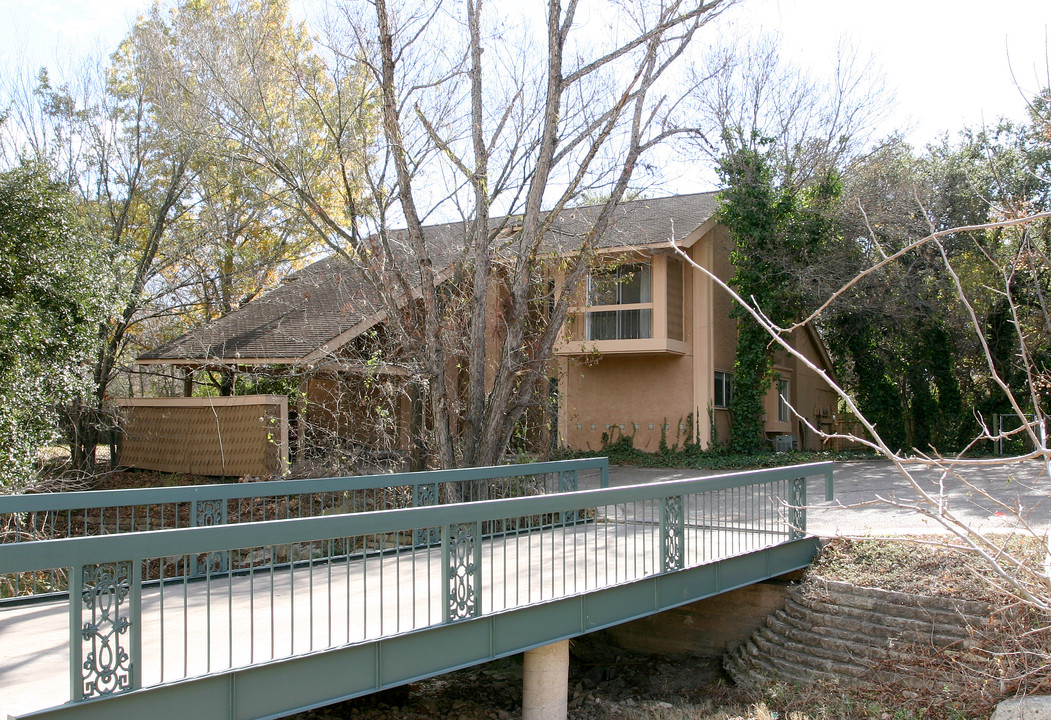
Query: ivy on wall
778	230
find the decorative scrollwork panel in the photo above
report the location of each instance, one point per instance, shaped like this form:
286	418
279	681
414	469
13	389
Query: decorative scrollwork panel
797	508
208	513
567	481
672	533
425	495
107	666
461	550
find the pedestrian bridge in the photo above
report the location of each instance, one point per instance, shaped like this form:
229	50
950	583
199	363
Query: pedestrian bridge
257	600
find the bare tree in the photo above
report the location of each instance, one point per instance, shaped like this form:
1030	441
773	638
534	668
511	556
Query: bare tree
747	96
496	125
130	178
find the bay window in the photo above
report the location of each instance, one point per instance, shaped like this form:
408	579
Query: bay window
635	307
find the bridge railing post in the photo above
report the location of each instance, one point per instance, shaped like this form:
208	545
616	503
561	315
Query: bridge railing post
672	531
568	482
426	494
105	625
461	570
797	508
205	513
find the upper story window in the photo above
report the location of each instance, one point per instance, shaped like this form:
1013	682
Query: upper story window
620	303
636	306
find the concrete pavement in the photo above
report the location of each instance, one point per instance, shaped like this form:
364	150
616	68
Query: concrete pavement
863	487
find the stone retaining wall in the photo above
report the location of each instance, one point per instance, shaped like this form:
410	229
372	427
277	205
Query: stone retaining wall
831	630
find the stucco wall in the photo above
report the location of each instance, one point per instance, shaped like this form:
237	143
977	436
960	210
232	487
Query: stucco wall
639	393
633	394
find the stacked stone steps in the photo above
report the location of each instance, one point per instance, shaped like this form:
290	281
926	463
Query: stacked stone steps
848	623
847	643
831	630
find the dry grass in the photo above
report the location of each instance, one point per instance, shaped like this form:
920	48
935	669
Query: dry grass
928	567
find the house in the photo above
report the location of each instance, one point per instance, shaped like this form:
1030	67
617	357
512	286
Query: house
648	348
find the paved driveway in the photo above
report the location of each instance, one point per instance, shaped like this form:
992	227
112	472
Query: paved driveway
860	485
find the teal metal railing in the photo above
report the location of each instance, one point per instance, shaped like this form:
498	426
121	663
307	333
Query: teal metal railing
79	514
138	615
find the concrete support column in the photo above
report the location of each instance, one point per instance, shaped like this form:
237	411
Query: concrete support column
545	682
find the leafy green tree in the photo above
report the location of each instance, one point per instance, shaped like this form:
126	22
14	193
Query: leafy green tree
190	226
130	177
782	139
902	341
51	290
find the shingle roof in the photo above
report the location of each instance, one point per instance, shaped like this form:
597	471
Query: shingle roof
310	308
639	222
317	304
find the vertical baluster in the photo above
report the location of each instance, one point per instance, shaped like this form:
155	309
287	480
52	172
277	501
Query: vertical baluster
329	555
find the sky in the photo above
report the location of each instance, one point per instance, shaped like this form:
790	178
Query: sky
949	64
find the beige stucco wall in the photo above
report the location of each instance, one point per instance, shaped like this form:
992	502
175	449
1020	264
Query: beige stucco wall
638	394
633	395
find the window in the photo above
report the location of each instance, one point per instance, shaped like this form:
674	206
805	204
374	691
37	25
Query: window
625	285
723	389
783	413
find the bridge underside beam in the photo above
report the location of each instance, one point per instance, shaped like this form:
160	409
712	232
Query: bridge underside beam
280	688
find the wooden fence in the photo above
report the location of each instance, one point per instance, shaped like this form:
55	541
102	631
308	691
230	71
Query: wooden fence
222	436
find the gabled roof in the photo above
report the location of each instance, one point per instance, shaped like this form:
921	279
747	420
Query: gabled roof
328	303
